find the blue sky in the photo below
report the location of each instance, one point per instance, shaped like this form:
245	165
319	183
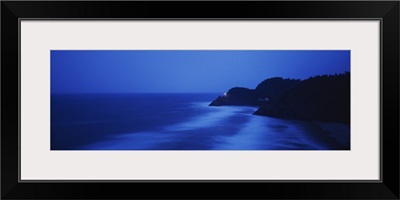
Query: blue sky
151	71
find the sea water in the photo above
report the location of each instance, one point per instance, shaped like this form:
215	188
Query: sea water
170	121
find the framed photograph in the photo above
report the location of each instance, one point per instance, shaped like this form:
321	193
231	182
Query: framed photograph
101	97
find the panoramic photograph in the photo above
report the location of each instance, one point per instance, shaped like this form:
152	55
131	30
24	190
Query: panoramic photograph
200	100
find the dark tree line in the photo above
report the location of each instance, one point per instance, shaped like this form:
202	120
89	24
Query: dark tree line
270	89
320	98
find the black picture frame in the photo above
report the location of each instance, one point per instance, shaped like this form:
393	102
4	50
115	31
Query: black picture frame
386	11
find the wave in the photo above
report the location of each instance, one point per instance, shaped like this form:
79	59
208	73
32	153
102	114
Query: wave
228	128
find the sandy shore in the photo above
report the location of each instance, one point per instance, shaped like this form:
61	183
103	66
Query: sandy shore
337	131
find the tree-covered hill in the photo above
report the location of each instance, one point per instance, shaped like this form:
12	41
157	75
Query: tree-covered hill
320	98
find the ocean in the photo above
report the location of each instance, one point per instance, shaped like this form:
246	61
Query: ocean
169	121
